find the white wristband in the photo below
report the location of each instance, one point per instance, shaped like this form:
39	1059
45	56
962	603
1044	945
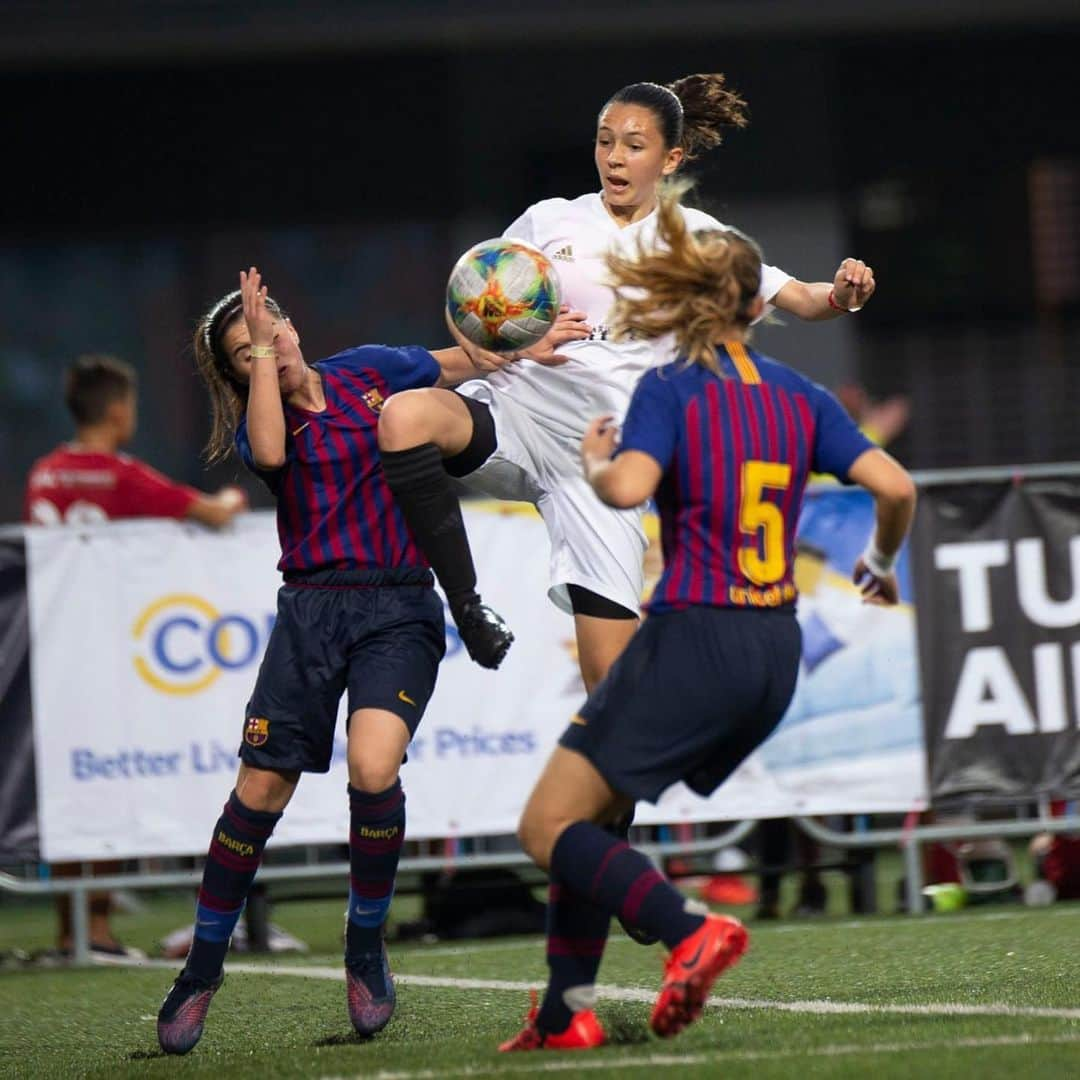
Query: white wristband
878	564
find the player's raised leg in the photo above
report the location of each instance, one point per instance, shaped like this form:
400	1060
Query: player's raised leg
418	429
605	871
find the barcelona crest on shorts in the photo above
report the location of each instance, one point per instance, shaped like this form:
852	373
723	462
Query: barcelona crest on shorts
373	400
256	731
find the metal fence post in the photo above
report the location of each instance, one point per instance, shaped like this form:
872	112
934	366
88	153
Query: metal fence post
80	925
913	875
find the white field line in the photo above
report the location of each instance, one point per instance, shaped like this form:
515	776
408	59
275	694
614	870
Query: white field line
665	1061
623	993
797	927
902	922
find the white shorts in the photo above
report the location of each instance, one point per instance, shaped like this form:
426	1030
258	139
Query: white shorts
593	545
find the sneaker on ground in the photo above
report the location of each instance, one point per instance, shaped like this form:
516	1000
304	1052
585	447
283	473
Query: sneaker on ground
115	953
371	994
583	1033
183	1012
485	636
692	968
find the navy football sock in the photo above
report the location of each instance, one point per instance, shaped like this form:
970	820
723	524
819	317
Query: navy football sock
622	881
376	833
577	931
429	503
235	852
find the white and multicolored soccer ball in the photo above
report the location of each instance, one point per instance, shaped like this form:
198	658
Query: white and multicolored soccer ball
503	295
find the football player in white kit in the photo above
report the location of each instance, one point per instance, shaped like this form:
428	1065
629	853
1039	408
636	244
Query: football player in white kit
516	434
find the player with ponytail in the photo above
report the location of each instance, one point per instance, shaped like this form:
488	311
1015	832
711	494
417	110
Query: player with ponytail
515	435
724	439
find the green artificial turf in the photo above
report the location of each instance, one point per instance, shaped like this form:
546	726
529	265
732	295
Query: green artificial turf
99	1022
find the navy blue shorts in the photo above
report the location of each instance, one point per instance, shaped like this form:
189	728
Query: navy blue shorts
693	695
378	634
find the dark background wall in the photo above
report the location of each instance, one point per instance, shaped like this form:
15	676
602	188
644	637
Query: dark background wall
352	151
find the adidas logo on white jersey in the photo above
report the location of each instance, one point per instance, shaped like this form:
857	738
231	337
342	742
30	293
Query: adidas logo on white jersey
565	254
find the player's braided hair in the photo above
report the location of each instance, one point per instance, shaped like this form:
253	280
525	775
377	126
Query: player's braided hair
228	392
696	285
692	111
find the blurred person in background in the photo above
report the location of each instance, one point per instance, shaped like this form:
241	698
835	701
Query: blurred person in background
880	420
90	480
725	439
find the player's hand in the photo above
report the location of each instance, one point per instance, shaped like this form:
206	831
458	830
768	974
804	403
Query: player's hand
261	324
600	439
233	498
484	360
854	284
568	326
882	591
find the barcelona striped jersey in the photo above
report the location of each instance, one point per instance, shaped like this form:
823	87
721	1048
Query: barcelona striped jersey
335	510
736	451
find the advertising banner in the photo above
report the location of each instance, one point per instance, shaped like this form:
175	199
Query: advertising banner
18	799
147	636
998	572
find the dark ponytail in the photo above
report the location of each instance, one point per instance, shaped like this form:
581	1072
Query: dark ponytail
708	107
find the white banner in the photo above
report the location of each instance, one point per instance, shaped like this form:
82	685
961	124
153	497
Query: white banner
146	638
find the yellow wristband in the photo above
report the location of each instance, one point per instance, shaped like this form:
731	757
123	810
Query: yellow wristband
262	352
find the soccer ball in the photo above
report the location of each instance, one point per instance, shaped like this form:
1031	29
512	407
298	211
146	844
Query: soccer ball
503	295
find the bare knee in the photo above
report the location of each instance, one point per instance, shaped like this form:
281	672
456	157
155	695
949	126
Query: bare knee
372	777
402	420
537	834
414	417
265	790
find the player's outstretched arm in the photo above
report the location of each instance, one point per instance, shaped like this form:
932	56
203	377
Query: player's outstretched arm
624	482
894	498
466	360
217	510
265	412
469	361
850	289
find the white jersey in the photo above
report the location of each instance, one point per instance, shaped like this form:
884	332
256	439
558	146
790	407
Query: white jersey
599	378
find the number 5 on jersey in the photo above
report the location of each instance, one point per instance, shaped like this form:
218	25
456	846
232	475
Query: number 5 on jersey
756	514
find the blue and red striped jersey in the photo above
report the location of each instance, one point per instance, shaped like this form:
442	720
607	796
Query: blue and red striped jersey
335	510
736	453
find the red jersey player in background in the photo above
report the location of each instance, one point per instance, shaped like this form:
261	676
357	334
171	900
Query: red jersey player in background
89	480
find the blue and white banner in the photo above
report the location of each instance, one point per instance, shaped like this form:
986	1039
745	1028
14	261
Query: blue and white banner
146	638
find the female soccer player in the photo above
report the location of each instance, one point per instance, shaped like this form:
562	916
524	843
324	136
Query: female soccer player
515	435
724	438
357	612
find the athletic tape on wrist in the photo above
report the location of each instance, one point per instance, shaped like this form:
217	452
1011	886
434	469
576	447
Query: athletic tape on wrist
878	564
